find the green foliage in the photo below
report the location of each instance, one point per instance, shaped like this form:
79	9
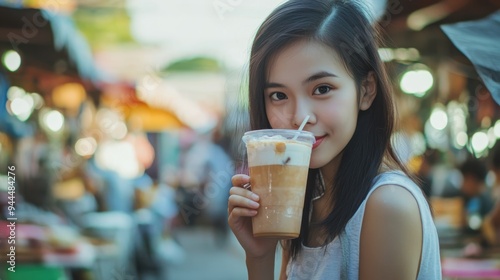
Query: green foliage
103	26
201	64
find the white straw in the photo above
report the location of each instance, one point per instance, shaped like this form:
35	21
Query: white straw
301	127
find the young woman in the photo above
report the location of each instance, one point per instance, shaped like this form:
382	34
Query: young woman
364	218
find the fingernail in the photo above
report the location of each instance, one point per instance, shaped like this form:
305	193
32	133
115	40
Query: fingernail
254	204
255	197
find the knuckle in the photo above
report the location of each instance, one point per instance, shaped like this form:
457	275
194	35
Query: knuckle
233	190
233	198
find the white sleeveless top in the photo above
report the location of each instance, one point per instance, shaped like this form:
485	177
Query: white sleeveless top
320	264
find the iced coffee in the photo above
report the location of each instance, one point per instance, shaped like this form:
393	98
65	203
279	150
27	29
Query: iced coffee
278	164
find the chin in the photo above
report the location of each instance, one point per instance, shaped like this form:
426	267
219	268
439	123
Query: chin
315	164
321	160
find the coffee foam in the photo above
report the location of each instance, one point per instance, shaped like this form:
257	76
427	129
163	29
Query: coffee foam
272	152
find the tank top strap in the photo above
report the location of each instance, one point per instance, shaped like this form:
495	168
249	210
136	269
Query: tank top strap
395	177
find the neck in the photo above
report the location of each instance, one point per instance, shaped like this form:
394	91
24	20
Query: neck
329	171
323	206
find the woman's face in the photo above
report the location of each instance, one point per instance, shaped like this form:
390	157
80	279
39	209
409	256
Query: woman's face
308	78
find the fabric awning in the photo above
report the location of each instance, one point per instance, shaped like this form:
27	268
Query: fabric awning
47	40
122	97
479	41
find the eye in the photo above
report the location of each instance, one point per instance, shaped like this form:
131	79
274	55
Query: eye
322	90
277	96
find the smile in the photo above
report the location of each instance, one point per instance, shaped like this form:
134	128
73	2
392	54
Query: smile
318	141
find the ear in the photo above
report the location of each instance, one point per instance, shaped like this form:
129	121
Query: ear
368	91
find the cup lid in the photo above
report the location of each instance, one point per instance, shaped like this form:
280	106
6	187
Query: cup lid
286	134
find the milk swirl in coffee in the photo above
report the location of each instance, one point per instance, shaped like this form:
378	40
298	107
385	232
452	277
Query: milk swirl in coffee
278	174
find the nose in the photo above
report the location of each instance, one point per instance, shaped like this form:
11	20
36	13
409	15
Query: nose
301	112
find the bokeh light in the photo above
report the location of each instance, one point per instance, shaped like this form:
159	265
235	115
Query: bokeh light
417	82
11	60
438	119
496	129
54	120
461	139
86	146
22	107
479	142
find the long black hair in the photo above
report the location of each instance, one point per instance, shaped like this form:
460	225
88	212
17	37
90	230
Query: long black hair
343	26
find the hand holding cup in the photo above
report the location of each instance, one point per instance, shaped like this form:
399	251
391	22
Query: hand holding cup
243	205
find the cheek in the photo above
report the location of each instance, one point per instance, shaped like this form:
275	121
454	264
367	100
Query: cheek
278	117
343	111
341	121
334	114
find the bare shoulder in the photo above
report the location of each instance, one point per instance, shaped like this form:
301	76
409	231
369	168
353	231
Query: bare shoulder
391	235
392	198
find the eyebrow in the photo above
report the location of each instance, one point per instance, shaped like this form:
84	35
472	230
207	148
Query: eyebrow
316	76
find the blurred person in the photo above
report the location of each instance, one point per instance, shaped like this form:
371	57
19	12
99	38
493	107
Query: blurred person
186	180
144	150
478	203
492	227
369	219
477	197
495	169
74	189
120	165
206	173
425	171
36	170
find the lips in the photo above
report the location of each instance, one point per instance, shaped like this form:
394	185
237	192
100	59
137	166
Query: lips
319	139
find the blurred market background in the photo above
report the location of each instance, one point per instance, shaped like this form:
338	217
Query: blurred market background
122	119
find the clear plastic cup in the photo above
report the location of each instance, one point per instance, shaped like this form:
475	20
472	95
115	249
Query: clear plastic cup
278	161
